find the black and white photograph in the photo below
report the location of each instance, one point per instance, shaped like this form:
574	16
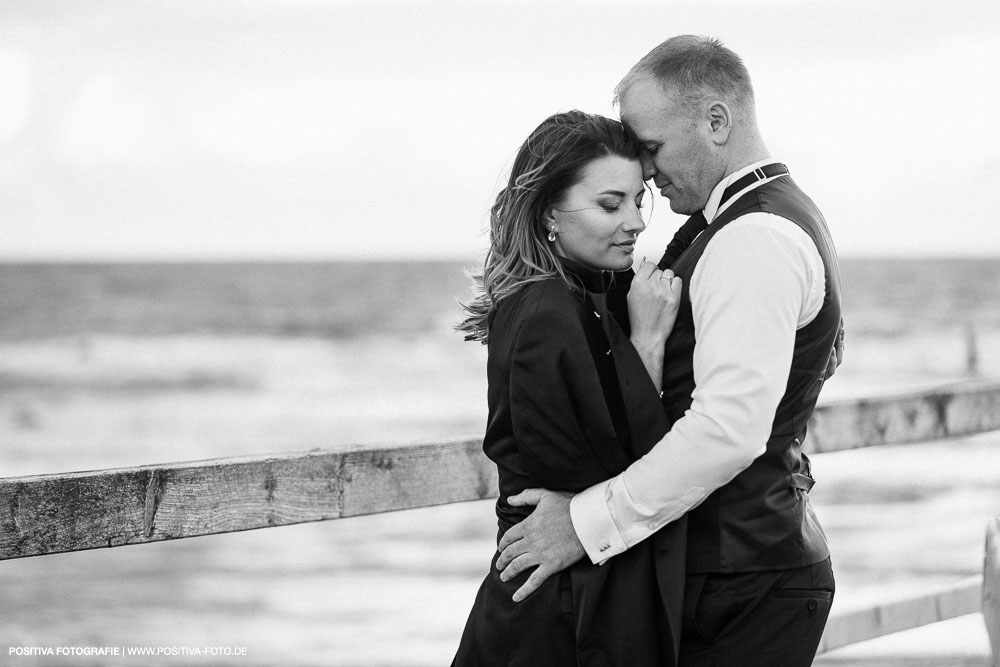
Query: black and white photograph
499	333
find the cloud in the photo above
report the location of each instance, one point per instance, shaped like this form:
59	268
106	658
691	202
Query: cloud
274	124
15	102
108	123
345	128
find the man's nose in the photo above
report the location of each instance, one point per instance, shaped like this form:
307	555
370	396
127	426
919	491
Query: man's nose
648	168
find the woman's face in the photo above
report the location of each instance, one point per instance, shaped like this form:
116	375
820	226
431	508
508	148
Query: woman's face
598	219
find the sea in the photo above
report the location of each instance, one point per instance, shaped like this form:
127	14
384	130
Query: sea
125	364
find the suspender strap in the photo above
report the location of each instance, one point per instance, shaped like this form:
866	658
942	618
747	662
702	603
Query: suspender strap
758	174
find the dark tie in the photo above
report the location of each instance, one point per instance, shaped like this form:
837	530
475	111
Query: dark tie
682	239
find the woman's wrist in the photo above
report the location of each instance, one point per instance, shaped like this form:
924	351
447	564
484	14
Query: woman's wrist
651	351
648	341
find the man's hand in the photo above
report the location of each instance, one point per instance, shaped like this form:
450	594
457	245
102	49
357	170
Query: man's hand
546	539
837	356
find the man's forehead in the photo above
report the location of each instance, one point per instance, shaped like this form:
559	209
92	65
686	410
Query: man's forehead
643	99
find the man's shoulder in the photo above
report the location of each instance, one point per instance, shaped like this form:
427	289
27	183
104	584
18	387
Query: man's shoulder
759	243
755	230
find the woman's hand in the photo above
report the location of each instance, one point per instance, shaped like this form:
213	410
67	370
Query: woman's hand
653	300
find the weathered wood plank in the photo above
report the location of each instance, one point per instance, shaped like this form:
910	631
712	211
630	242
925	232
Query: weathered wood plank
73	511
860	625
960	409
991	587
55	513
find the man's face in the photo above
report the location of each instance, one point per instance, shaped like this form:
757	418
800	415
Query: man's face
678	154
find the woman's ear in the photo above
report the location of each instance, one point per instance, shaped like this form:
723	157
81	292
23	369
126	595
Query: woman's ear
549	217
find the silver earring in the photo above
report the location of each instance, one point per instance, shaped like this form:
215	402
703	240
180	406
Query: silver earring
552	234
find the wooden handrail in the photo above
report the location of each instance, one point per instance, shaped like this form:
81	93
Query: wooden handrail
980	593
962	408
858	625
107	508
45	514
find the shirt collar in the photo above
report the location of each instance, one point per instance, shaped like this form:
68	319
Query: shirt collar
715	205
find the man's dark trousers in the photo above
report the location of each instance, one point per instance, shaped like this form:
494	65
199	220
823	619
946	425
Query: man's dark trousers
756	619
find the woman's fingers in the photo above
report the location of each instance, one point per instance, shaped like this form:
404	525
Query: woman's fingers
645	271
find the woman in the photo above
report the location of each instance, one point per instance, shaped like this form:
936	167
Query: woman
571	401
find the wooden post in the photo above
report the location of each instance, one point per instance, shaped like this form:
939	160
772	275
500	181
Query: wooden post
991	587
971	350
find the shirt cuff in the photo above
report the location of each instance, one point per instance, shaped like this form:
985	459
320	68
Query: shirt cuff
594	525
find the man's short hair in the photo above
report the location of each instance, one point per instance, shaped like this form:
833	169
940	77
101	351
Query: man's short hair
696	68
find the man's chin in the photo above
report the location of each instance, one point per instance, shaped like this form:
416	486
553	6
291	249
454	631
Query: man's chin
682	208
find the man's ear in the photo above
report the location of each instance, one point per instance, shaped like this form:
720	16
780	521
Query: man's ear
720	122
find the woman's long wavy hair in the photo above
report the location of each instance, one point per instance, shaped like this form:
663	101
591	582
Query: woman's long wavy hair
549	162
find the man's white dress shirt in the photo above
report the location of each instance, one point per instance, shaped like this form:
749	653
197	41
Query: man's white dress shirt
759	280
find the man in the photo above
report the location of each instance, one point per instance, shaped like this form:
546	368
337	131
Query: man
759	317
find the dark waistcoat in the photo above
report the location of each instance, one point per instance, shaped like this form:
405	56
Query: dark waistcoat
762	519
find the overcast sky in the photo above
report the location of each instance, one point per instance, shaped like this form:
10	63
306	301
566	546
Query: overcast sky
275	129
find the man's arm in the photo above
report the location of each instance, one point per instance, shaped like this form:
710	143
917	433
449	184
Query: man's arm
758	282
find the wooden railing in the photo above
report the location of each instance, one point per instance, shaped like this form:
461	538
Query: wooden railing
46	514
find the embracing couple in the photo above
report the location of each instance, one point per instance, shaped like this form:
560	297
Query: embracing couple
647	426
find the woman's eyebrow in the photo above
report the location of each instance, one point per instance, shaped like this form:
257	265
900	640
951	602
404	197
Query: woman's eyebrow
619	193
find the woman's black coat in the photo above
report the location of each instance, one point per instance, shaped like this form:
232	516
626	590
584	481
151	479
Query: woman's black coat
571	405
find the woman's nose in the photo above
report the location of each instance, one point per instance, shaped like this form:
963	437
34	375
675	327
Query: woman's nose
635	223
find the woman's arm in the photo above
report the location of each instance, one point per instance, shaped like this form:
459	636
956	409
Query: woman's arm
653	300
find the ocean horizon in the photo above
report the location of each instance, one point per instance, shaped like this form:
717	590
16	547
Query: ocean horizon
348	298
